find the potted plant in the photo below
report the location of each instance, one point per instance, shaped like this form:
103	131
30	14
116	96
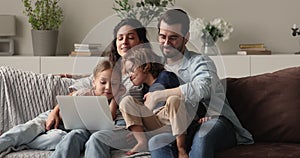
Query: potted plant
45	17
146	11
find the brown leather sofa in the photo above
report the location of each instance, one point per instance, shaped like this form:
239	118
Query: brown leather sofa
268	105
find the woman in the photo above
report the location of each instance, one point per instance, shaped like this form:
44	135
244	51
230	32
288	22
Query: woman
128	33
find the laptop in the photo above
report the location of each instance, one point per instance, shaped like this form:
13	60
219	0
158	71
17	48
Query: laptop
85	112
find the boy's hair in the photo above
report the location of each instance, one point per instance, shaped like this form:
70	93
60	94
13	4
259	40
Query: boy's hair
176	16
146	60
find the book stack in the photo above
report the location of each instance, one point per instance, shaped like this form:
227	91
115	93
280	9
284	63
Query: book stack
253	49
87	49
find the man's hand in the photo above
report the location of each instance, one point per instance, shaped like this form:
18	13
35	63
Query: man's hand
53	119
152	98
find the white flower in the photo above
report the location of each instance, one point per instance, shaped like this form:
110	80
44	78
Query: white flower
217	28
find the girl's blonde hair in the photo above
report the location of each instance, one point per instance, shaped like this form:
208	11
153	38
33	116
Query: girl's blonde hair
102	66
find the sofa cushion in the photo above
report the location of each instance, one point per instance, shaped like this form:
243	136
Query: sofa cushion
29	153
268	105
262	150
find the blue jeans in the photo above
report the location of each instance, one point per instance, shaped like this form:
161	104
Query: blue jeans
102	142
214	135
163	145
72	144
31	135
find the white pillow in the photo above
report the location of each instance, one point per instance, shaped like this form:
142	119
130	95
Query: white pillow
85	82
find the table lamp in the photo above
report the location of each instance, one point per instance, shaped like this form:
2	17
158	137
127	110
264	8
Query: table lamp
7	31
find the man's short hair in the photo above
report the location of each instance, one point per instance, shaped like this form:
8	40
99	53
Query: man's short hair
176	16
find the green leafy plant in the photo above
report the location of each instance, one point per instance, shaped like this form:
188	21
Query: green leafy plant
43	14
143	10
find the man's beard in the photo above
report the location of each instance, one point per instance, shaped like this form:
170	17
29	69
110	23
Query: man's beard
172	52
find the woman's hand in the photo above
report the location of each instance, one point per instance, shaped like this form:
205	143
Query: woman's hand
203	119
53	119
113	106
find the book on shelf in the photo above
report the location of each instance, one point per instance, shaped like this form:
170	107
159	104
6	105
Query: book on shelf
74	53
254	49
251	45
87	45
254	52
87	50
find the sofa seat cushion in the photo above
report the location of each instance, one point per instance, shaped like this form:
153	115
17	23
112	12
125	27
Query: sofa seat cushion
45	154
268	105
29	153
263	150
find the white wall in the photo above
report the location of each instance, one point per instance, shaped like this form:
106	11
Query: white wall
254	21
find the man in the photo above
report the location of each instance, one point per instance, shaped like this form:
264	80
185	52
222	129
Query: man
201	87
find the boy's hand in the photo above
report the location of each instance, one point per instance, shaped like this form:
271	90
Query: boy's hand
182	153
152	98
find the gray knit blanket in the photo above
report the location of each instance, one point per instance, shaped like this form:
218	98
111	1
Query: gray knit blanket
24	95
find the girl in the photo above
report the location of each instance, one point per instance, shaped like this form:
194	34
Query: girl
33	136
103	81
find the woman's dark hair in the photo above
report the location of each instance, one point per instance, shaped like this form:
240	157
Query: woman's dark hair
136	24
176	16
138	27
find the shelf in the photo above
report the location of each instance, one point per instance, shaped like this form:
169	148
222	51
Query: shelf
227	65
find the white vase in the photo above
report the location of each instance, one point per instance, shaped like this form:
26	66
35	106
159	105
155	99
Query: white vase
209	45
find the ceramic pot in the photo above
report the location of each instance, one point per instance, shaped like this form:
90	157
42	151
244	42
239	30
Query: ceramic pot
44	42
